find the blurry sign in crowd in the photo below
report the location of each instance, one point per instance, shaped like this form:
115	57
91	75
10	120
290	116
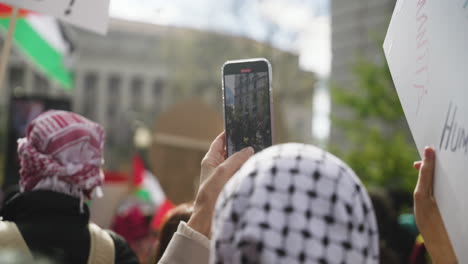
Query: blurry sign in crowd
426	51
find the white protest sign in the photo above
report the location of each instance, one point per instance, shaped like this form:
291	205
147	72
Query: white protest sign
427	52
89	14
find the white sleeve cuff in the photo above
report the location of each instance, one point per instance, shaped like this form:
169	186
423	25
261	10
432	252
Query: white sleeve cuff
190	233
187	246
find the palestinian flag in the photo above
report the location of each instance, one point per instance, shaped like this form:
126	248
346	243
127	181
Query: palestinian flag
148	189
40	39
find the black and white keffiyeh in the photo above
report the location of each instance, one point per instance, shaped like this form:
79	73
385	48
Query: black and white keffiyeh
294	203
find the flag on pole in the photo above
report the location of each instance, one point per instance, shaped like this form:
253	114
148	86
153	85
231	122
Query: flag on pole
148	189
41	41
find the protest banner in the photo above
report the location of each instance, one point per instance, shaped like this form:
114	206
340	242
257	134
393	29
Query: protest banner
426	49
92	15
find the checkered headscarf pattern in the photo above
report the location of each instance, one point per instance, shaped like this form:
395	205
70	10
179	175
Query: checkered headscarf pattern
294	203
62	151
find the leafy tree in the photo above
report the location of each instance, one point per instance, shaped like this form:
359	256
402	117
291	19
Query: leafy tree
379	145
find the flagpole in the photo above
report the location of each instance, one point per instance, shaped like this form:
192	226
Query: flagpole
7	46
5	57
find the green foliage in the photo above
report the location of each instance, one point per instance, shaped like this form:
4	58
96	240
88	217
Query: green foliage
380	150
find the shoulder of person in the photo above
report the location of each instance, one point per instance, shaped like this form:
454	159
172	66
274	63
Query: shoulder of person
123	253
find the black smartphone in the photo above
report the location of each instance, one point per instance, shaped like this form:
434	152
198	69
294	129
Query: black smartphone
247	103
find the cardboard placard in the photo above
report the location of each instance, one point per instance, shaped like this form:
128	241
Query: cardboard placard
426	49
88	14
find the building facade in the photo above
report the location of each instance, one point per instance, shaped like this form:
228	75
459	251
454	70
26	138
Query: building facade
120	80
358	30
123	80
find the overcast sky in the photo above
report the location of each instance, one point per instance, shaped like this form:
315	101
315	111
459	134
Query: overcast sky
300	26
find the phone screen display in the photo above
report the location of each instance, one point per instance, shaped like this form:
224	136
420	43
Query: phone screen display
247	110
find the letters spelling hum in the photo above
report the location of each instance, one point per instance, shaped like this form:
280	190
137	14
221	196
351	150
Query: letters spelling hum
454	134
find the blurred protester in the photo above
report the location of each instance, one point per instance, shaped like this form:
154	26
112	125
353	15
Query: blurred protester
169	226
290	203
402	200
419	253
396	242
132	222
61	158
403	204
426	211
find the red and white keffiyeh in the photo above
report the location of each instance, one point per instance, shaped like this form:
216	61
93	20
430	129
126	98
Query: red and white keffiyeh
62	152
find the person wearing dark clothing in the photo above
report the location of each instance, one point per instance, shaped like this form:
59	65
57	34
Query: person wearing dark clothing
61	158
53	225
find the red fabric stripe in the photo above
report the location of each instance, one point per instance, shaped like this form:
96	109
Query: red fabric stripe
77	135
76	118
6	10
48	127
58	121
64	120
115	177
51	121
163	209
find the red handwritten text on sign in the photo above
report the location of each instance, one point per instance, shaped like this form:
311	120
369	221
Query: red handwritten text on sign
421	74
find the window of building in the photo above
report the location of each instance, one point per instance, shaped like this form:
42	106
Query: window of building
114	86
158	87
16	78
90	95
41	84
136	88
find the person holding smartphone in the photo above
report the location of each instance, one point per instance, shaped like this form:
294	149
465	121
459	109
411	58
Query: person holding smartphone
254	209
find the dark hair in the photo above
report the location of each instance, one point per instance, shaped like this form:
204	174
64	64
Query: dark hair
395	243
169	226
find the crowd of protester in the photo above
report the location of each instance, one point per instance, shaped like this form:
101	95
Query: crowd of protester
290	203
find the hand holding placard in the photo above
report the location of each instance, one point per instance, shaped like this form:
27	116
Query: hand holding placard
426	52
427	212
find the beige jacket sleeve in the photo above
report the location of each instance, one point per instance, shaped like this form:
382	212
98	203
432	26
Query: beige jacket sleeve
187	246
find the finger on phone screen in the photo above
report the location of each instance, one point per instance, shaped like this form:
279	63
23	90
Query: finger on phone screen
218	143
235	161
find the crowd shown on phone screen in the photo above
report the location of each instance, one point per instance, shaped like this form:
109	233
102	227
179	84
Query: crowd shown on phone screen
290	203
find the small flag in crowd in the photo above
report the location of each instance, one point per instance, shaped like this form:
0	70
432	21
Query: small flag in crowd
149	189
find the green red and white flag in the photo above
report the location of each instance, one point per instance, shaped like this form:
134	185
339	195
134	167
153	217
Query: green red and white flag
41	41
149	190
